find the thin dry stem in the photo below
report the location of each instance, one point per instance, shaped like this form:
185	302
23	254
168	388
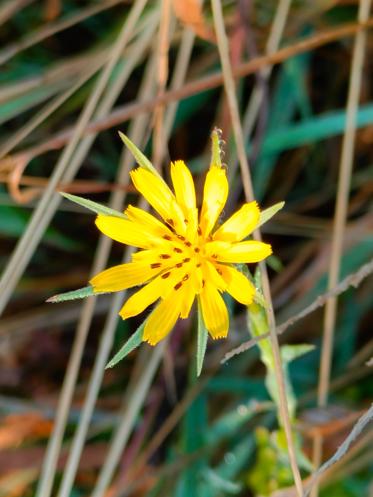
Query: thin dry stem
65	169
45	112
50	461
10	8
162	75
343	190
128	418
273	42
353	279
128	111
246	179
340	217
52	28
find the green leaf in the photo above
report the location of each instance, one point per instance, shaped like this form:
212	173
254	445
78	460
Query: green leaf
93	206
291	352
260	300
221	484
139	156
267	214
201	340
81	293
132	343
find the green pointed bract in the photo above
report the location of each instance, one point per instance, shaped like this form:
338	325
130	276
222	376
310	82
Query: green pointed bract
267	214
81	293
132	343
216	151
202	336
140	158
93	206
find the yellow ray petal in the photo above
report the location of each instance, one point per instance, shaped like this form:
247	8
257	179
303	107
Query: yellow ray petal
150	223
210	273
238	285
159	196
163	318
143	298
250	251
124	276
196	275
214	198
125	231
214	311
189	294
240	224
182	181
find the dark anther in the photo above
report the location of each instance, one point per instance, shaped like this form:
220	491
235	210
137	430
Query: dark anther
178	250
186	277
166	275
187	259
167	237
179	264
198	265
165	256
196	250
181	237
199	231
178	285
170	221
155	264
188	244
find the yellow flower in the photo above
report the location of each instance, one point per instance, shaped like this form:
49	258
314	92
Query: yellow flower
187	256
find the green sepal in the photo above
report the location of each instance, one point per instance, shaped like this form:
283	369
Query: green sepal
81	293
93	206
132	343
202	335
140	158
267	214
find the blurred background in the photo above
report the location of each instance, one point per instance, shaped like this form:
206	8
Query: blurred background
72	74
